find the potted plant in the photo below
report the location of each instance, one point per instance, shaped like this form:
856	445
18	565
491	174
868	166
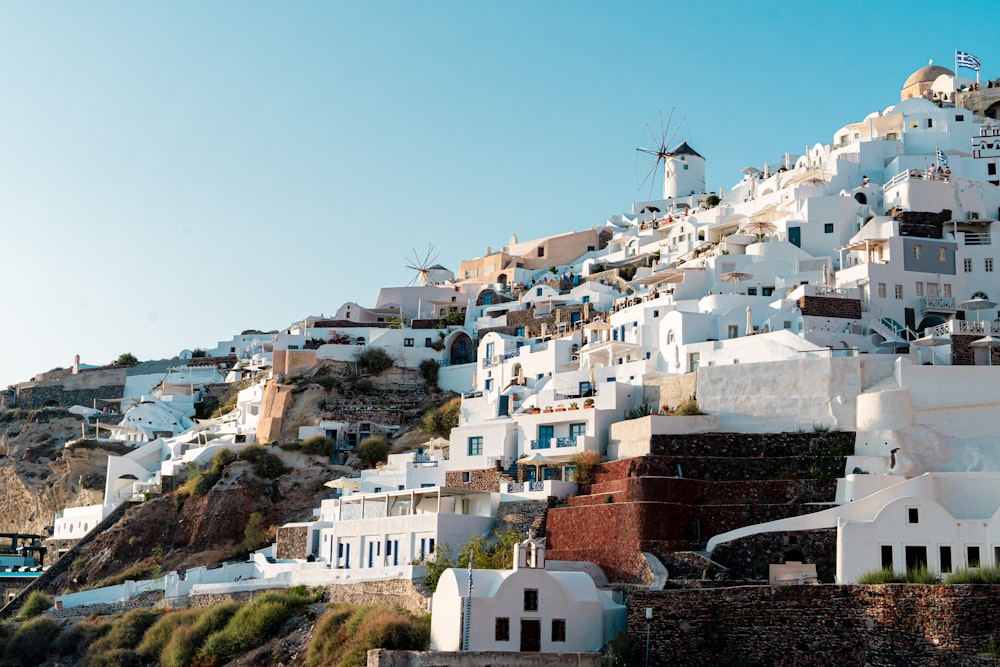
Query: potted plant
548	408
533	411
560	409
589	403
574	406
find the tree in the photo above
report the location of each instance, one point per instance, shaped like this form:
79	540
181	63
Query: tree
373	450
198	352
373	361
442	419
257	533
126	359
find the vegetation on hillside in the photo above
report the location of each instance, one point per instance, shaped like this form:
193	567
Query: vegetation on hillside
484	553
373	450
440	420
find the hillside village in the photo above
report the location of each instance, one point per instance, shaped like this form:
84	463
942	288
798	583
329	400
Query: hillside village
710	413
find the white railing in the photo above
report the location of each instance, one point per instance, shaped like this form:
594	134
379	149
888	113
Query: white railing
937	303
834	292
977	238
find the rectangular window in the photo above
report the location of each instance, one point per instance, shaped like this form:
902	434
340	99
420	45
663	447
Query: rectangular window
476	445
918	288
734	331
991	168
972	556
694	359
899	291
466	477
946	290
942	254
967	263
489	384
959	117
538	292
945	553
988	265
767	291
828	228
887	557
913	515
407	342
751	291
541	252
916	252
930	122
427	342
881	290
558	629
531	599
577	429
501	629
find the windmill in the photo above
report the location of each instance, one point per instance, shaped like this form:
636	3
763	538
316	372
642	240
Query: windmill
659	153
421	265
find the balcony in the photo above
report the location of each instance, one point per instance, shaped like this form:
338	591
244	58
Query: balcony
944	305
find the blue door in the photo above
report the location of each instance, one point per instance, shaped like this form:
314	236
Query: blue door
545	434
795	236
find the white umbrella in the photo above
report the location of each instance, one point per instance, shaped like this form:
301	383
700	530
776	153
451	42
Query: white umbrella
760	227
989	342
342	483
749	321
931	342
735	277
537	460
895	344
977	305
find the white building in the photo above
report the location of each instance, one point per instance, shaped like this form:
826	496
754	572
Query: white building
527	608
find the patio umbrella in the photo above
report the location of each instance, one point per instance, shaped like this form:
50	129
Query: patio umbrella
895	344
735	277
990	343
749	171
537	460
749	321
760	227
932	342
977	305
342	483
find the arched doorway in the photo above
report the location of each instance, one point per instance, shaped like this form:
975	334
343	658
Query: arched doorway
461	350
861	198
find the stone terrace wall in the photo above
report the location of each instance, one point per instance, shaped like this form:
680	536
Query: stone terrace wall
292	542
825	306
787	626
838	443
751	555
521	516
386	658
488	479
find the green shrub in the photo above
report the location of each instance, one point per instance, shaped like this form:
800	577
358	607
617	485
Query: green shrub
429	372
373	361
187	640
921	575
373	450
265	464
585	463
31	644
37	603
115	657
689	408
159	634
318	445
623	651
257	532
126	633
252	625
440	420
643	410
982	575
882	576
75	640
345	634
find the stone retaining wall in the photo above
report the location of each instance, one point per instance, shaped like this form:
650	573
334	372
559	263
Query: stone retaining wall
751	445
386	658
487	479
787	626
825	306
292	543
521	516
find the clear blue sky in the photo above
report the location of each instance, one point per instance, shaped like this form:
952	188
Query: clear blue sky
173	173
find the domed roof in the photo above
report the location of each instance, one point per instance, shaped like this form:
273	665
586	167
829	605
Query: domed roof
927	74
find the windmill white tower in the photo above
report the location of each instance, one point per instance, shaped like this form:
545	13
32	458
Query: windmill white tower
683	168
423	266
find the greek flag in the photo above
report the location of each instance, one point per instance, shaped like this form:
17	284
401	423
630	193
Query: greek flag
963	59
942	158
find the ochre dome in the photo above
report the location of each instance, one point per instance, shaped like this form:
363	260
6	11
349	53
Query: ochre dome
927	74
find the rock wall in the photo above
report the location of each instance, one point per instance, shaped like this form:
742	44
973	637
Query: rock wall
386	658
837	443
80	389
488	479
292	543
787	626
521	516
752	555
825	306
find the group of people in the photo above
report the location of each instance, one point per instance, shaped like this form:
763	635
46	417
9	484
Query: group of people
932	173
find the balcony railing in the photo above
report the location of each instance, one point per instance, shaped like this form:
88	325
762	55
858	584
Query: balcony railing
566	442
937	304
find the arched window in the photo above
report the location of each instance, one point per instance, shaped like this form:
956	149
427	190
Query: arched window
670	337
